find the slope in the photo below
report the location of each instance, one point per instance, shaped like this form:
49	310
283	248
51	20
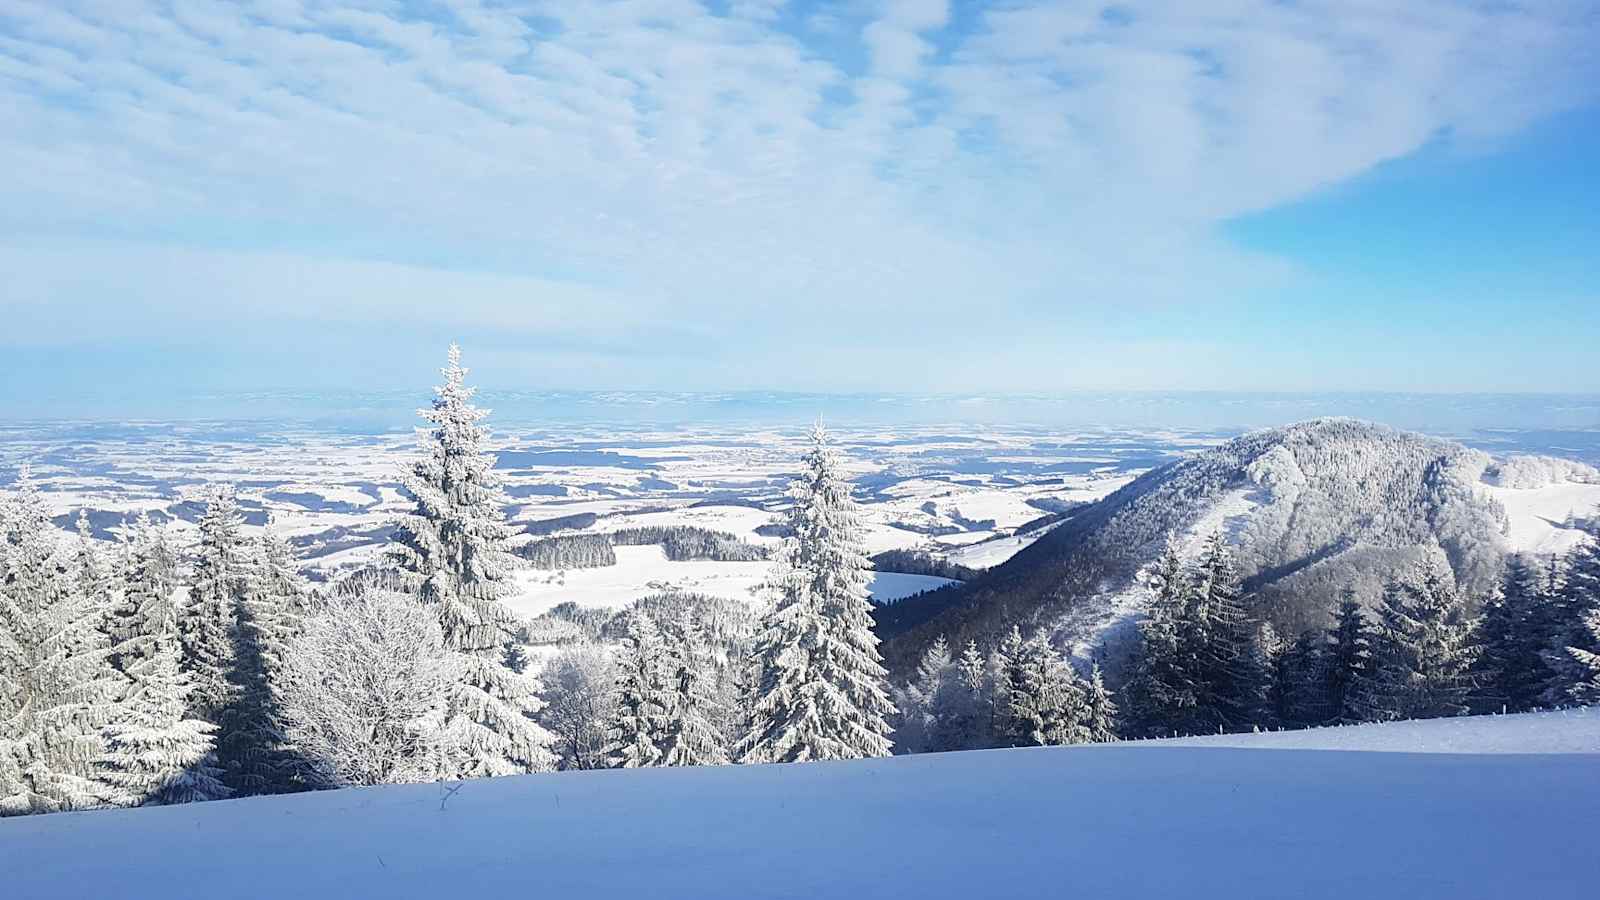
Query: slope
1131	820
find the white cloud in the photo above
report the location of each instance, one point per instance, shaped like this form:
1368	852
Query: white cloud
653	161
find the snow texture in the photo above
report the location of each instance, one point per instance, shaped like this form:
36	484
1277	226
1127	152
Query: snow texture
1244	817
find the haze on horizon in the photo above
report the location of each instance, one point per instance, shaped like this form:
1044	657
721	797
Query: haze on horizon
906	196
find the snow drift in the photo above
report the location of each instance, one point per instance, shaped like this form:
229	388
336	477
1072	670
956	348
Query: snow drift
1156	819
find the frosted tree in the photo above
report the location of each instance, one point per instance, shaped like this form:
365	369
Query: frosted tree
1164	689
253	749
208	621
691	736
154	753
454	550
145	577
1046	700
365	689
580	705
821	693
94	580
1347	663
918	717
1423	650
962	709
1298	684
56	686
643	698
1576	601
1099	709
1233	676
1586	688
1511	672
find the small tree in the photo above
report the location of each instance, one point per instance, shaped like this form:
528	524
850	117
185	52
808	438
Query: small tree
580	704
365	692
154	754
642	698
1347	668
1423	650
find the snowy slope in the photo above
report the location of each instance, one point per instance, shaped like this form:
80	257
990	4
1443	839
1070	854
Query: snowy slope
1559	731
1133	820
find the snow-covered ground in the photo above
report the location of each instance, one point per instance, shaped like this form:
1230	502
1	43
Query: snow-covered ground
1556	731
1539	517
1233	821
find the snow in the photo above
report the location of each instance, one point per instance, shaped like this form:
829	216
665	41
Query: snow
1539	515
1141	820
1556	731
887	587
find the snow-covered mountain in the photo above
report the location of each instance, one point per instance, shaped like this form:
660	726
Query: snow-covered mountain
1501	807
1312	510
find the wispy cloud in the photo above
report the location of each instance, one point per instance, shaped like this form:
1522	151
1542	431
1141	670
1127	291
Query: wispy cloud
577	166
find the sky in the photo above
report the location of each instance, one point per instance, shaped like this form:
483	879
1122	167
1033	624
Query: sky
907	195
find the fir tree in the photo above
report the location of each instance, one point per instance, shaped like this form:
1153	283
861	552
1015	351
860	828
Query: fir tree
1299	682
56	689
454	549
1512	672
1576	600
1100	710
154	754
1163	691
208	623
1233	674
1347	663
691	736
1586	687
964	719
642	696
145	578
1423	650
821	693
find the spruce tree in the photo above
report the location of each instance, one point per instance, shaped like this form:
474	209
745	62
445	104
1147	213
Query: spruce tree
642	696
1163	693
1347	663
454	550
1511	672
145	577
691	736
1586	686
208	622
56	686
154	753
964	718
1100	710
1576	600
1233	674
1423	650
821	693
1299	682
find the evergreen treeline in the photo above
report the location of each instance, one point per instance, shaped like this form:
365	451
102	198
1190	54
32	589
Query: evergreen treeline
921	562
569	551
682	543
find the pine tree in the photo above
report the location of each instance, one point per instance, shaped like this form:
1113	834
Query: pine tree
1163	692
691	736
454	549
821	693
1233	674
1299	682
1512	672
1423	650
1347	663
1586	687
1576	600
642	696
154	753
145	577
208	622
56	687
1100	711
254	749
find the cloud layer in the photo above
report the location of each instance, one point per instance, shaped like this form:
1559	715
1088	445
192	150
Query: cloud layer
765	175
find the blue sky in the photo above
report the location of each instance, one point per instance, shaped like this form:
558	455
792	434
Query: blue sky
911	195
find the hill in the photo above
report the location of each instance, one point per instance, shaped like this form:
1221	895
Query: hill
1251	819
1311	509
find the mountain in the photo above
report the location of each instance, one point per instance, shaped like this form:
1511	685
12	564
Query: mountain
1311	509
1490	807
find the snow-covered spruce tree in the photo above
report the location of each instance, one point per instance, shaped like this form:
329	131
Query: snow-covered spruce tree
822	693
1512	672
154	753
254	750
1347	663
917	724
1586	688
1423	650
94	581
454	550
1576	602
145	577
1099	710
208	621
691	736
1233	675
642	696
964	717
1163	691
1297	695
56	686
365	690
